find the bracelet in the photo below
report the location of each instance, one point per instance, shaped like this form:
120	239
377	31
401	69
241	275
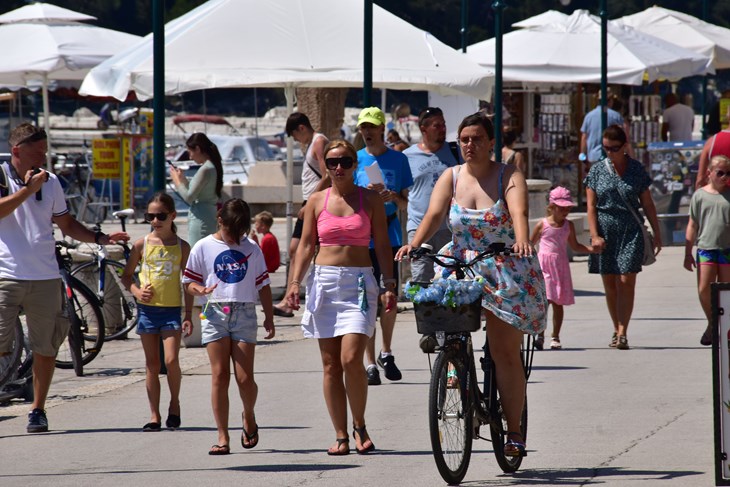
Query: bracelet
294	281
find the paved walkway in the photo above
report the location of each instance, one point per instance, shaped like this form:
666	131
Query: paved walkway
597	415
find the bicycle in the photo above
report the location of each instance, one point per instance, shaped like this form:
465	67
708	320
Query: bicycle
105	275
16	374
83	310
457	406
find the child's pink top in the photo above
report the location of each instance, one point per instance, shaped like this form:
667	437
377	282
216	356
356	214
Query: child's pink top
351	230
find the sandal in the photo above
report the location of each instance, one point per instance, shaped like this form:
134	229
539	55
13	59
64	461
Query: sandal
362	433
623	343
515	448
337	452
555	343
251	439
219	450
706	339
614	341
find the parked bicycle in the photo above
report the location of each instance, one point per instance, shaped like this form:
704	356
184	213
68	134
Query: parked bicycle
457	406
105	276
82	307
16	375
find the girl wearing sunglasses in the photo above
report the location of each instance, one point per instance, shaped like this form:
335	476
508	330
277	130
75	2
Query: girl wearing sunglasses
611	185
342	291
709	221
159	301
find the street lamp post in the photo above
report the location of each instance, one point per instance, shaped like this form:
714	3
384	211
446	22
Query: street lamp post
367	82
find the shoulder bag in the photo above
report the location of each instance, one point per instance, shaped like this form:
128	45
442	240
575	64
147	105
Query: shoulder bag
649	258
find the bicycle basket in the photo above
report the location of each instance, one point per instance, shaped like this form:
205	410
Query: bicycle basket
433	317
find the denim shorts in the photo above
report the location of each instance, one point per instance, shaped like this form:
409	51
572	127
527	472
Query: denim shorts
239	324
156	319
713	257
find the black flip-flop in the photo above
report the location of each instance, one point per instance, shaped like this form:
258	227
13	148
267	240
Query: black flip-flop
338	452
253	438
280	312
219	450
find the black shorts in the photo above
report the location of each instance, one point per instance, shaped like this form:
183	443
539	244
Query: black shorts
378	274
298	226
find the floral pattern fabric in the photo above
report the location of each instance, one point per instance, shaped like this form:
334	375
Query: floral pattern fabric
514	289
624	248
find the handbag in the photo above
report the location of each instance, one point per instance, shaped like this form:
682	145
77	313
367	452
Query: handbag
648	258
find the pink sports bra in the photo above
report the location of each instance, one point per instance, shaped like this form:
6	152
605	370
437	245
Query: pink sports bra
351	230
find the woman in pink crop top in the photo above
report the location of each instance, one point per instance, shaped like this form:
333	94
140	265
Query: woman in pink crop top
342	292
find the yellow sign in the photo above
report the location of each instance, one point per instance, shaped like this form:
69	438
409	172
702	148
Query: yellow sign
106	158
725	113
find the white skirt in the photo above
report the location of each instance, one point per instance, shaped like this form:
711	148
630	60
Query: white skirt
340	300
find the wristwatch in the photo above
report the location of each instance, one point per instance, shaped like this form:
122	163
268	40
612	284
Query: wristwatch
97	236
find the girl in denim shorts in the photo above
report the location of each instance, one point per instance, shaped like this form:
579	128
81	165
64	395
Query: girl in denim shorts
709	229
162	255
229	270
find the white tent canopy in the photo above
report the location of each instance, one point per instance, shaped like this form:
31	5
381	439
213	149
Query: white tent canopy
44	42
547	17
43	12
684	30
570	52
288	43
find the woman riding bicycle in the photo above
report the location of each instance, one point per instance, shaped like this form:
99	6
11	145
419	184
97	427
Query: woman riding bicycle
487	202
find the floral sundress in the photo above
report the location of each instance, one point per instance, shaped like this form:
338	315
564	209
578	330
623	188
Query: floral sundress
514	289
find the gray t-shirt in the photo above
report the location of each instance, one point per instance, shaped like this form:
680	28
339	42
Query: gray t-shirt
426	168
711	212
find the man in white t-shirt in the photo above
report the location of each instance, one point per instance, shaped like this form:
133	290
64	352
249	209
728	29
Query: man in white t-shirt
314	178
31	201
678	120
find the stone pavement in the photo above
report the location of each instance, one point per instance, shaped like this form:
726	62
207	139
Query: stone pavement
597	415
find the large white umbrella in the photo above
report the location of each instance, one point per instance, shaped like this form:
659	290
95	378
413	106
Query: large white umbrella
39	49
288	43
684	30
570	52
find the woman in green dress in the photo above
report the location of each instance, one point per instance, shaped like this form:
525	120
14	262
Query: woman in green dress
203	191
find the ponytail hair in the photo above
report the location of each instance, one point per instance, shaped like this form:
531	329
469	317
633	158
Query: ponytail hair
235	216
201	141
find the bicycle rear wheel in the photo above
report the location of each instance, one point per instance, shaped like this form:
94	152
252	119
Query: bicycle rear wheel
498	430
86	307
450	417
119	306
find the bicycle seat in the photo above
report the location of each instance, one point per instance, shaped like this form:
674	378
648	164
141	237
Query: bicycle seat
126	213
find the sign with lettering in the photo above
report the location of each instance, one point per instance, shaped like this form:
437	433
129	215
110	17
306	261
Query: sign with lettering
106	158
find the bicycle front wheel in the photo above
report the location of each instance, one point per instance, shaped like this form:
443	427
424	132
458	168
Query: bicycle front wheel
85	305
450	416
119	305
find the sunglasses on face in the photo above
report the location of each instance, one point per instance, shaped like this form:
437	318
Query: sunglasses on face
148	217
344	162
612	148
721	174
473	140
34	137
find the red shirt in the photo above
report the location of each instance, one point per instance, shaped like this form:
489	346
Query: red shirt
270	248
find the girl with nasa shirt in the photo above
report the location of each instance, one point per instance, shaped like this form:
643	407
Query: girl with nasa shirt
229	270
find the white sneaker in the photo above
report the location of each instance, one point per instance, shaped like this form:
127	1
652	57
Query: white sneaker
555	344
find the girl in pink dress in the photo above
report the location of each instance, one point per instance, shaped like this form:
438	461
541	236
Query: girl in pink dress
554	232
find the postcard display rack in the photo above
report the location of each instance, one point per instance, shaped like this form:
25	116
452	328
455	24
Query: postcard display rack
644	113
557	153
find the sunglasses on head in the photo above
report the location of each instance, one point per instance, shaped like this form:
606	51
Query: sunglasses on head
34	137
148	217
428	113
344	162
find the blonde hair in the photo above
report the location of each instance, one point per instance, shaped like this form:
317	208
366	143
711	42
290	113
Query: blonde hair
717	160
265	217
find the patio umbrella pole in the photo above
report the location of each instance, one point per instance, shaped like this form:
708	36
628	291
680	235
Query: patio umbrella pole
604	65
289	95
498	6
46	123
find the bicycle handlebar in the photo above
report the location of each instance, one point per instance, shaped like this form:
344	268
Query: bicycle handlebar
494	249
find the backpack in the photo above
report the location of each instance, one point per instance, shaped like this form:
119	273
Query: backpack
454	146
